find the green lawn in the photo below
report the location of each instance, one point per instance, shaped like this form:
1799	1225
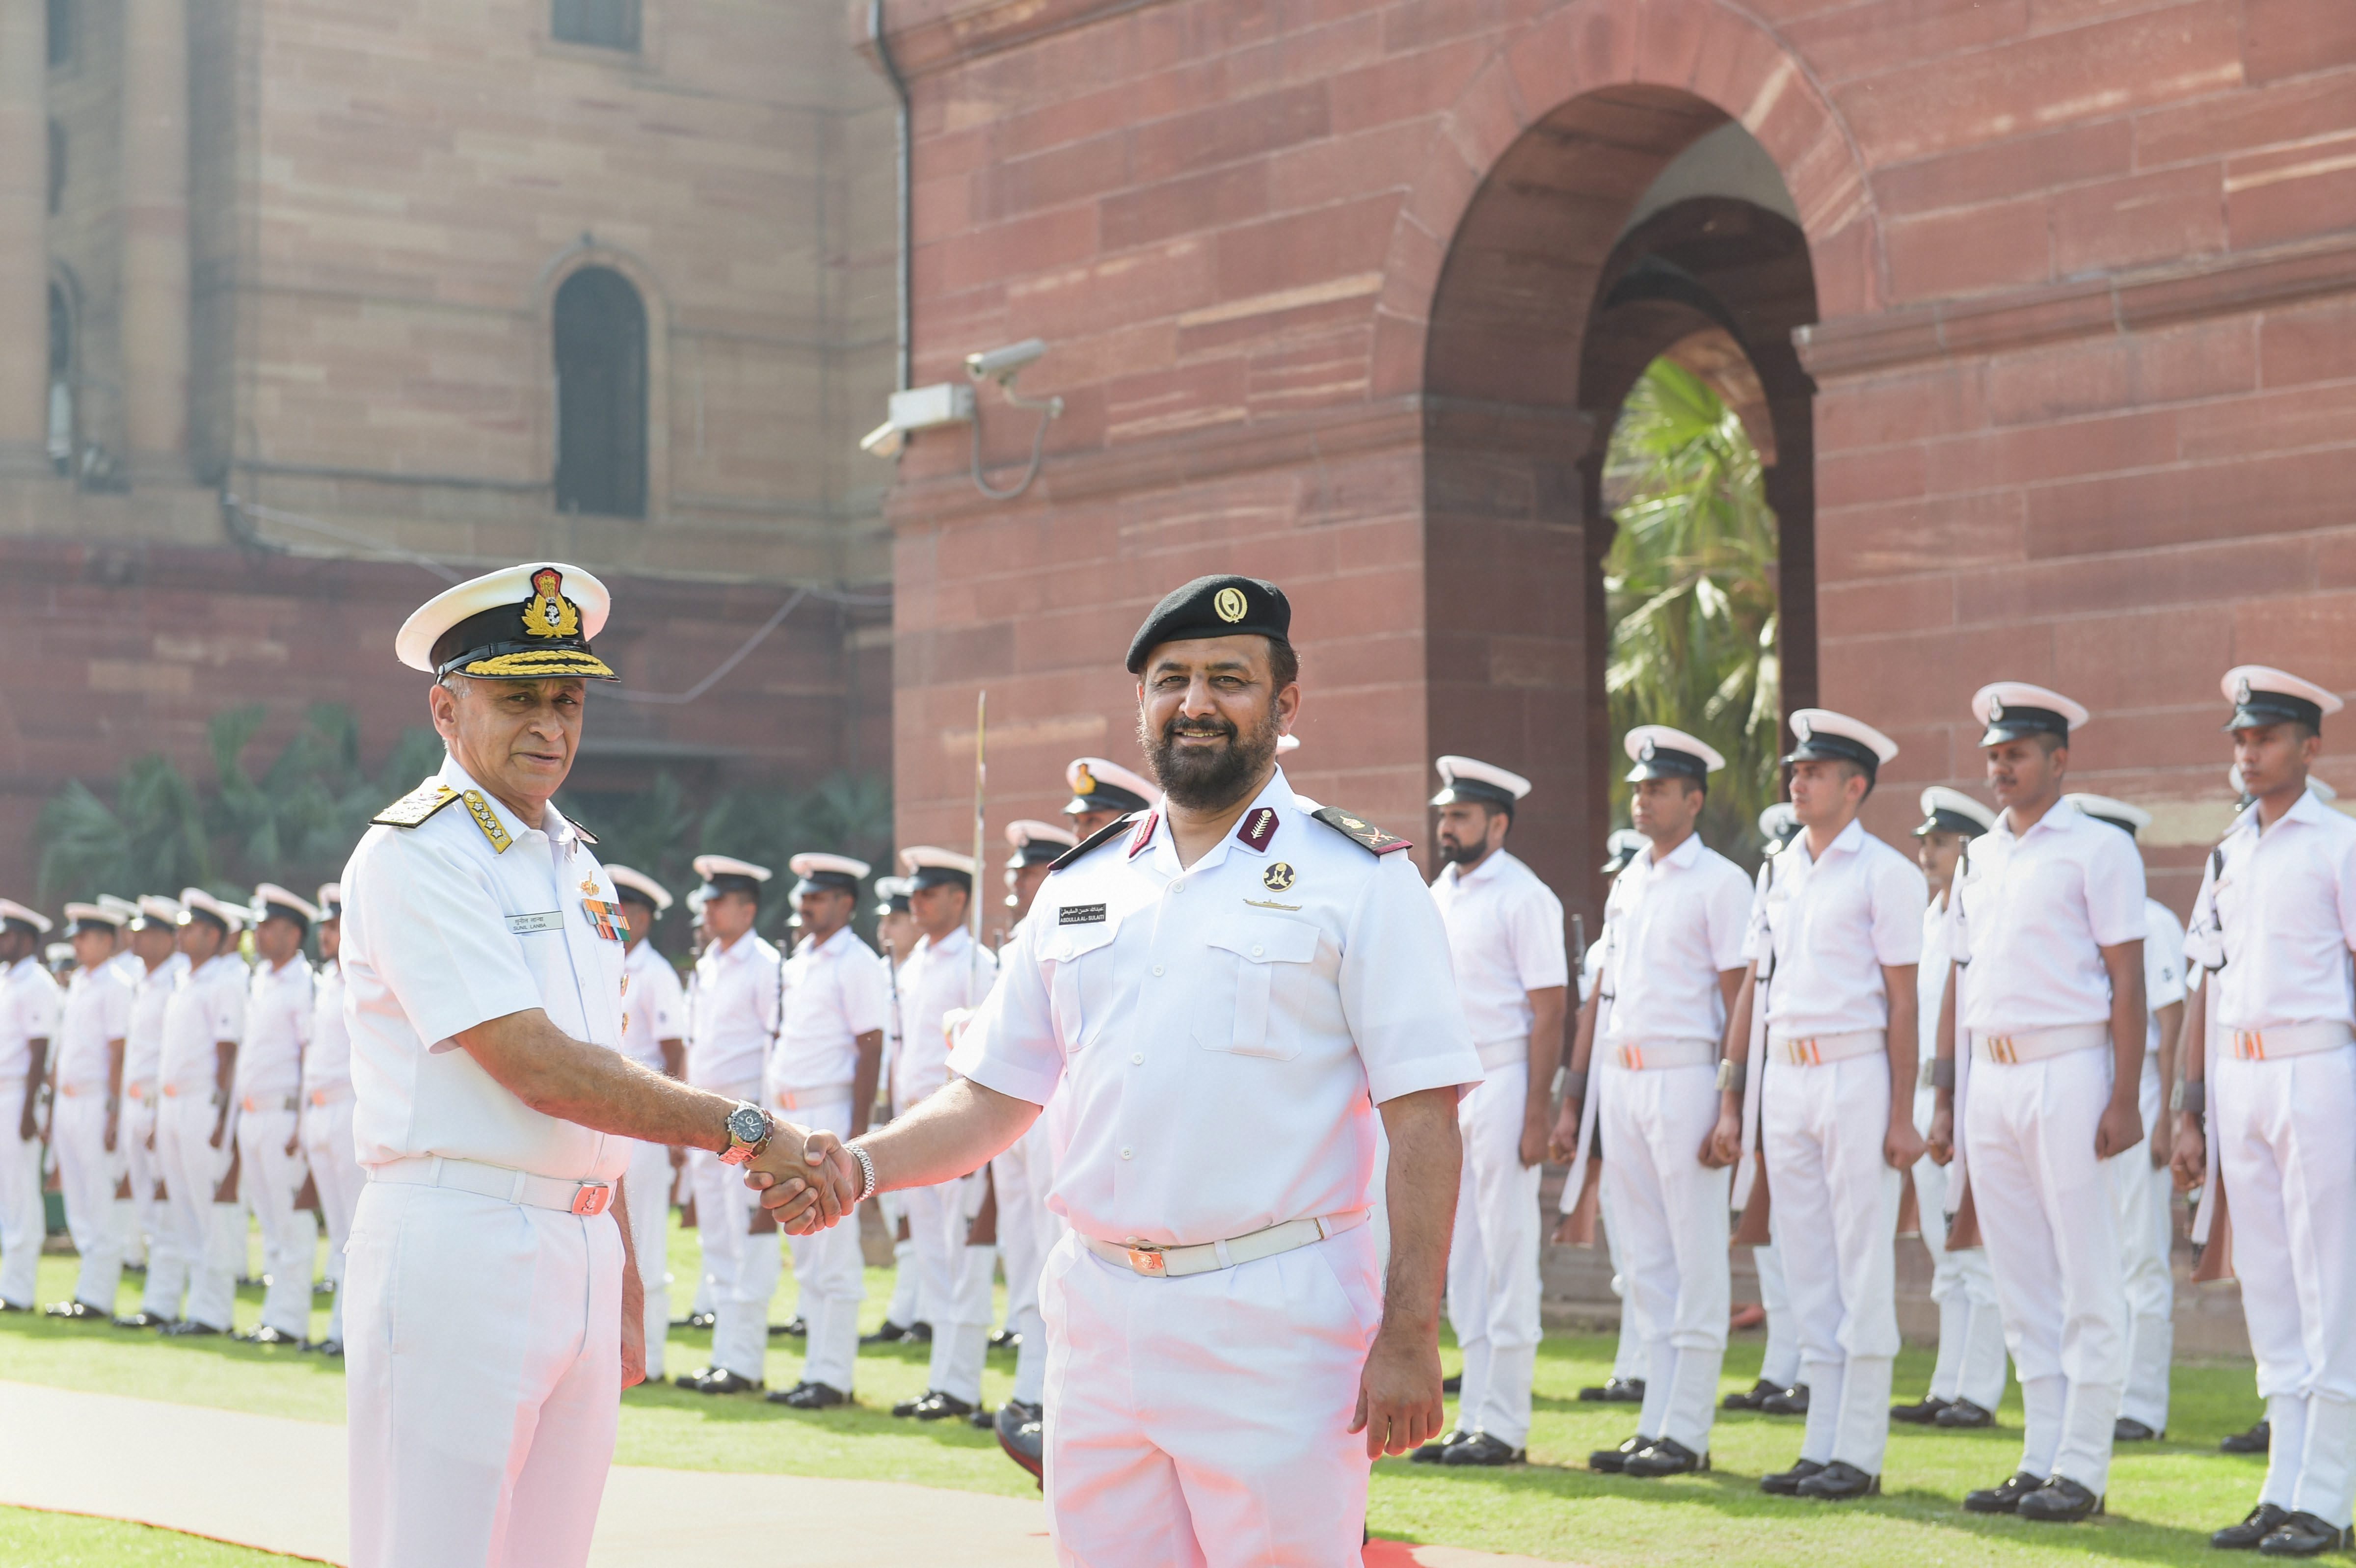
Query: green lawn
66	1541
2166	1497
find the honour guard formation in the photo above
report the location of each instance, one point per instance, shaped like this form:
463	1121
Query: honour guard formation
1237	1105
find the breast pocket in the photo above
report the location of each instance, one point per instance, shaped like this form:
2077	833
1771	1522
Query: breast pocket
1250	960
1079	962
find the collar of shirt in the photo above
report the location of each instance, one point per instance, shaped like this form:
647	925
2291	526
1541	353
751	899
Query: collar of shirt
1846	842
828	947
1476	876
1687	851
2306	810
553	823
1253	833
2060	818
22	967
732	953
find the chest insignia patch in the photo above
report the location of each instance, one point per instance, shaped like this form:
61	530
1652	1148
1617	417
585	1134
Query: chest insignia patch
607	919
1259	828
589	886
1278	878
1361	832
489	821
1080	915
416	805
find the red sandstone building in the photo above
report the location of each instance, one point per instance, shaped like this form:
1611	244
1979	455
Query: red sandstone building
2053	305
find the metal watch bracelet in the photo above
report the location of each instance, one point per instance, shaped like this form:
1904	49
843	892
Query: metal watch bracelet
867	1169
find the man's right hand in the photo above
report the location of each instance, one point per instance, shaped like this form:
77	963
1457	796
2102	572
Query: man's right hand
1724	1146
1562	1146
2190	1159
1939	1143
798	1183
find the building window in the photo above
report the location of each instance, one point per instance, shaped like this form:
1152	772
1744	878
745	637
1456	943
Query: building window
61	390
61	33
607	24
57	168
600	395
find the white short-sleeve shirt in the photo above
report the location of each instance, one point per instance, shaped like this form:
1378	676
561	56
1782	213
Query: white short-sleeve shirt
654	1008
1931	976
205	1007
30	1003
2163	964
1832	926
940	978
836	990
151	990
97	1012
2278	911
2033	913
1671	926
445	930
1505	936
328	1050
277	1027
1221	1033
737	989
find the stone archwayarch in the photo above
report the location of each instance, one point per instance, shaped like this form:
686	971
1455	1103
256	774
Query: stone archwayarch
583	253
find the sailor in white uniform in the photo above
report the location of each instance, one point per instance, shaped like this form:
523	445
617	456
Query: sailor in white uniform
326	1124
155	945
898	936
269	1093
654	1035
30	1003
204	1021
1104	791
1778	1391
86	1116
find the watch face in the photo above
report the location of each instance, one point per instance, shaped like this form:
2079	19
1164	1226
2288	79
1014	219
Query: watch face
748	1125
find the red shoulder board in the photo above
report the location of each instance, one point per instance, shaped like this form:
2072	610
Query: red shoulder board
1361	831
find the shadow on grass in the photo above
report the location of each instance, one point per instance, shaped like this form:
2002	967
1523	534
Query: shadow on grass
221	1346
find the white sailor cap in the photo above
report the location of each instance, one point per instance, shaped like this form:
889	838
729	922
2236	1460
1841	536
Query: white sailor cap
1288	743
1661	752
821	873
59	954
195	902
1037	843
126	908
331	901
2012	708
1463	780
155	909
639	887
929	866
2262	695
1100	786
2134	819
1624	845
35	922
1948	810
1825	736
270	899
525	622
92	917
892	895
726	874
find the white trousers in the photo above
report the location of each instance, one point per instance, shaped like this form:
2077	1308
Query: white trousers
2144	1197
336	1169
269	1179
1971	1359
1631	1353
2282	1140
829	1282
646	1189
1203	1423
1673	1254
1027	1231
484	1368
139	1162
88	1173
1779	1362
724	1213
167	1260
1493	1259
902	1307
953	1282
2052	1236
23	1217
207	1237
1835	1219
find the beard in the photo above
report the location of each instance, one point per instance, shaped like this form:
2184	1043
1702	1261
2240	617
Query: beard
1461	854
1210	779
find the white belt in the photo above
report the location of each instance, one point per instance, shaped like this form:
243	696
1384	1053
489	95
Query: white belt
802	1099
2289	1039
255	1105
1652	1055
1504	1053
585	1197
1820	1050
2040	1044
328	1093
139	1093
72	1091
1174	1263
174	1092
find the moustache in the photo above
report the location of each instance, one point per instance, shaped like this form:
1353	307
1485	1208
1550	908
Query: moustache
1216	730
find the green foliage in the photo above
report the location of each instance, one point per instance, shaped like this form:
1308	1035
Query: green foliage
1690	593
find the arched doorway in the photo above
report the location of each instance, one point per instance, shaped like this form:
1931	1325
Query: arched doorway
600	331
1629	221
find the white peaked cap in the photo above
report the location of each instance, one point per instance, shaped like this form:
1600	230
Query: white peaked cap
811	862
270	893
1659	751
127	908
1939	800
639	882
2118	813
11	910
1778	820
1470	779
1099	784
1994	704
929	856
552	646
1836	734
331	900
229	914
1288	743
711	866
159	909
93	915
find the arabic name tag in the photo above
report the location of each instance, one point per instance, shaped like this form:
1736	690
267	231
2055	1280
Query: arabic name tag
525	924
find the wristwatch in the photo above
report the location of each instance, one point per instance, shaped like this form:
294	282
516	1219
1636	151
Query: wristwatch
749	1127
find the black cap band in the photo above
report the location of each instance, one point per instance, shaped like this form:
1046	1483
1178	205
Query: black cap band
1476	792
1213	607
1107	797
1666	762
286	911
827	883
733	882
1822	748
2258	708
1036	852
2009	722
1946	821
941	876
624	893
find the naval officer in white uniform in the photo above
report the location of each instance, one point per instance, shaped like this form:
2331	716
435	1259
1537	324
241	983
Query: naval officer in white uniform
494	1314
654	1035
30	1003
195	1141
326	1125
86	1116
268	1089
156	943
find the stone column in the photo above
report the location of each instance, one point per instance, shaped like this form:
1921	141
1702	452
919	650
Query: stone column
23	236
155	235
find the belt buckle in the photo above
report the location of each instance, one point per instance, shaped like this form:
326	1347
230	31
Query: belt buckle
1145	1258
2249	1045
591	1197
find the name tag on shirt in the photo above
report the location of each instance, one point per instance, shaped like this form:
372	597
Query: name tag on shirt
525	924
1080	915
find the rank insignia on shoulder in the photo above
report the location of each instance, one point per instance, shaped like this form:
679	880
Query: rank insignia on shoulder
1365	833
416	805
489	821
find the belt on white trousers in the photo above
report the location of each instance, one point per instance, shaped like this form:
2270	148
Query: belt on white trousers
2289	1039
588	1196
2040	1044
1174	1262
140	1093
1651	1055
255	1105
328	1093
1503	1054
1820	1050
76	1092
801	1099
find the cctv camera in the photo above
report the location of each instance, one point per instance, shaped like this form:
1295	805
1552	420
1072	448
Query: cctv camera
1002	364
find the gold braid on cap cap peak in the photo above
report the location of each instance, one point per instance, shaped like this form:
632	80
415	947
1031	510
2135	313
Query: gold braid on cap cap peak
537	663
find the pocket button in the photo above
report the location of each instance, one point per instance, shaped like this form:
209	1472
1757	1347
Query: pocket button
1258	951
1157	968
1137	1059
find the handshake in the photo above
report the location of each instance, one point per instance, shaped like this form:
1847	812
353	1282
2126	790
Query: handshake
807	1181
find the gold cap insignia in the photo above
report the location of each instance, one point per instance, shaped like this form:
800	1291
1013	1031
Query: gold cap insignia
1231	606
1088	782
550	613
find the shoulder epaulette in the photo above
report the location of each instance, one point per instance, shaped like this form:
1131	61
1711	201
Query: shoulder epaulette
416	805
1093	842
1360	831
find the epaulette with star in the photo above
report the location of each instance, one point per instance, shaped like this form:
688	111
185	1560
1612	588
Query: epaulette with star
415	806
1361	832
1095	840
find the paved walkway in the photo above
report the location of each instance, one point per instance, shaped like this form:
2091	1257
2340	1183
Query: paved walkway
268	1482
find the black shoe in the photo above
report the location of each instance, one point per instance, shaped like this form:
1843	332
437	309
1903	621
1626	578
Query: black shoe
2127	1429
797	1329
1006	1340
983	1417
1793	1401
1963	1413
1786	1483
1667	1457
2256	1525
142	1320
1024	1434
1612	1461
2004	1498
322	1289
693	1320
939	1406
890	1333
266	1335
2304	1535
187	1328
1615	1391
1838	1482
1482	1449
1453	1384
79	1311
1750	1398
138	1271
1431	1451
6	1306
2258	1439
689	1381
332	1349
2060	1500
1922	1412
807	1395
920	1333
722	1381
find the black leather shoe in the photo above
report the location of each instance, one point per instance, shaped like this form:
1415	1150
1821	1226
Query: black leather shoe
1431	1451
1482	1449
142	1320
1786	1483
890	1333
1840	1481
2256	1525
1453	1384
1963	1413
1612	1461
693	1320
1006	1340
266	1335
809	1396
1024	1434
1922	1412
2060	1500
940	1406
1750	1398
1665	1457
720	1380
920	1333
79	1311
1614	1391
2304	1535
2258	1439
983	1418
2127	1429
797	1329
2004	1498
689	1380
1793	1401
7	1306
332	1349
188	1329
